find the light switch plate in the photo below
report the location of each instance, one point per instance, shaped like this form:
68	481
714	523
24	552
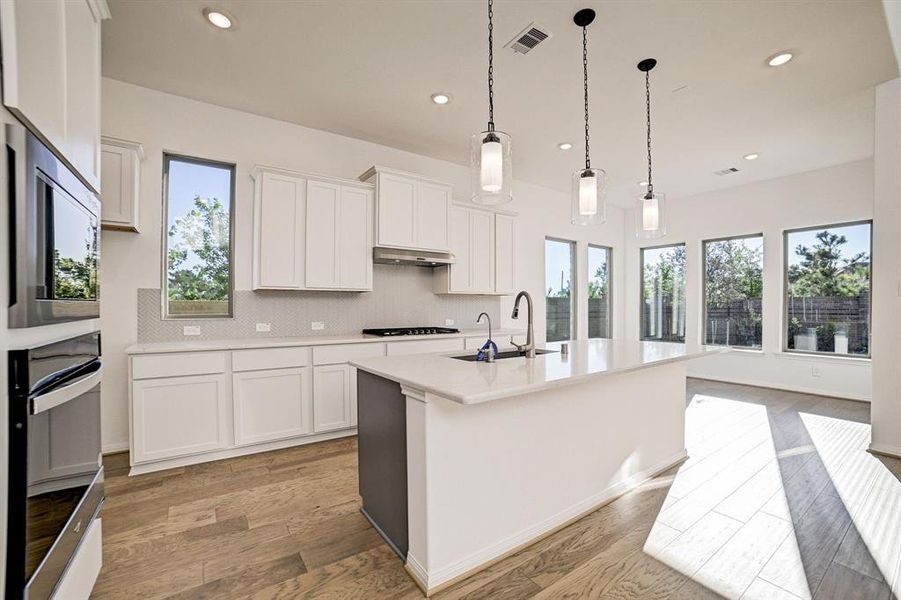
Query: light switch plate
448	322
264	327
317	325
191	330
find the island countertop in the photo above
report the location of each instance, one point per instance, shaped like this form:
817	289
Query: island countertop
475	382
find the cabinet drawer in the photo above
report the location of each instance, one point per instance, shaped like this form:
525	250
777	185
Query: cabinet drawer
424	346
270	358
342	353
177	365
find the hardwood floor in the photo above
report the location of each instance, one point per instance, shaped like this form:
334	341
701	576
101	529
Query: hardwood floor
779	499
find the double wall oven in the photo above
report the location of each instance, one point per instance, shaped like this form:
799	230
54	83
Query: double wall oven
54	237
55	468
55	471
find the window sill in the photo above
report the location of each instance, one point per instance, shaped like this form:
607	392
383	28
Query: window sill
746	351
852	360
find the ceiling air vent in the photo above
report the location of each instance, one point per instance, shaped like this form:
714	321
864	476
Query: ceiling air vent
527	39
728	171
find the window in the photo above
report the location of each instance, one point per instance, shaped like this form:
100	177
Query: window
663	293
599	291
198	238
733	292
558	277
827	299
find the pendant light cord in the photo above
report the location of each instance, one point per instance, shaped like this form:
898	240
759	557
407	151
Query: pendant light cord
490	65
647	88
585	84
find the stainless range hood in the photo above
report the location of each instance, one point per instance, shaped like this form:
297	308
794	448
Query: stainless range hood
420	258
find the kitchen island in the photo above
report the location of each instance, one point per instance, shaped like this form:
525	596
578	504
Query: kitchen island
462	463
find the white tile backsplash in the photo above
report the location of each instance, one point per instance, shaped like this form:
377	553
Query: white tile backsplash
402	295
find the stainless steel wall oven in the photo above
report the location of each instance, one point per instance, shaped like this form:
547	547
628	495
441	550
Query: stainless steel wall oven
55	469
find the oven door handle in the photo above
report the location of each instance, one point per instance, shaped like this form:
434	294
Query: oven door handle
70	391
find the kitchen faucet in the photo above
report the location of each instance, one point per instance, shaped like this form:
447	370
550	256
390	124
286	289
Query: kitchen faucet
490	348
528	349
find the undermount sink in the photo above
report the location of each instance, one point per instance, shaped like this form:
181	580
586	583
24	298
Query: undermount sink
502	355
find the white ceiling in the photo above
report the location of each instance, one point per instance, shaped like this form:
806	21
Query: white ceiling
366	69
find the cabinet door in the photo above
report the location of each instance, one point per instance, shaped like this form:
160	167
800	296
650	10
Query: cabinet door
119	168
355	239
271	405
396	211
323	217
460	235
280	231
34	64
432	210
332	400
504	254
481	248
179	416
82	145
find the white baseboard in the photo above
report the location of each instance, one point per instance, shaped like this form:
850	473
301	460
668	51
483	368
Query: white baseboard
886	450
786	388
184	461
441	578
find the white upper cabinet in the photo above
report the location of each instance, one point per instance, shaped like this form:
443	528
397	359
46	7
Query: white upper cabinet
323	210
482	242
311	232
279	230
432	208
504	253
412	212
51	75
121	183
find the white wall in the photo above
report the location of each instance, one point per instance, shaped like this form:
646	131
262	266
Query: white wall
162	122
886	409
832	195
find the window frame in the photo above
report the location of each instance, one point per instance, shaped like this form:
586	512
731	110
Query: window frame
168	157
609	250
785	287
704	288
641	252
573	286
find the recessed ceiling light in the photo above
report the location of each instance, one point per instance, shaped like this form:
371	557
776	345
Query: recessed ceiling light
219	18
565	146
777	60
441	98
643	183
752	156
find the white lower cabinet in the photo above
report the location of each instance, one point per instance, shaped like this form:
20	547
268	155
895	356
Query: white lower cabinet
179	416
334	394
271	405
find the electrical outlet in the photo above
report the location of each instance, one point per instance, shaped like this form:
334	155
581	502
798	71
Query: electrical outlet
191	330
448	322
317	325
264	327
815	371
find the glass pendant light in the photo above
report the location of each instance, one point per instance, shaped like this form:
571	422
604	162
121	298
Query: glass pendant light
650	215
489	158
589	186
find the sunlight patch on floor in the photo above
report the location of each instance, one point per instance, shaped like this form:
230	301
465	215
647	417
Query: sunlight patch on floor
712	528
870	492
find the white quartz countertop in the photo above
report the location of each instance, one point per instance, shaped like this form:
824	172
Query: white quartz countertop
321	340
475	382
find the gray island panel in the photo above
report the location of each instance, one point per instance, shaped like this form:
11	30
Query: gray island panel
382	431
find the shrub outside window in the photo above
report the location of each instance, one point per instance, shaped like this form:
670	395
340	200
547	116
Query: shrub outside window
827	289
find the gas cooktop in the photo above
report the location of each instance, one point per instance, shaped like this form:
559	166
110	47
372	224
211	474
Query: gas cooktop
390	331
